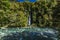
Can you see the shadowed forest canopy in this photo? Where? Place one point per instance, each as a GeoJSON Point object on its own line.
{"type": "Point", "coordinates": [15, 14]}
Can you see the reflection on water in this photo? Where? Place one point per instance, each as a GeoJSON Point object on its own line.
{"type": "Point", "coordinates": [45, 32]}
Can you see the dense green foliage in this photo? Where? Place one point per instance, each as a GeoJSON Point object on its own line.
{"type": "Point", "coordinates": [16, 14]}
{"type": "Point", "coordinates": [56, 15]}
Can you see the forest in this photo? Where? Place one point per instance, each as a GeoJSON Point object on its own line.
{"type": "Point", "coordinates": [43, 13]}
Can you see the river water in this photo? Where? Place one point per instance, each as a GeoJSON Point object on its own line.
{"type": "Point", "coordinates": [47, 31]}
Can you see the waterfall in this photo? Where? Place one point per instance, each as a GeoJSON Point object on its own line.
{"type": "Point", "coordinates": [29, 20]}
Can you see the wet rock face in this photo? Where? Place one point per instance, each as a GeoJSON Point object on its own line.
{"type": "Point", "coordinates": [31, 35]}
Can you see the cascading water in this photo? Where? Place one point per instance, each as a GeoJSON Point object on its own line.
{"type": "Point", "coordinates": [29, 20]}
